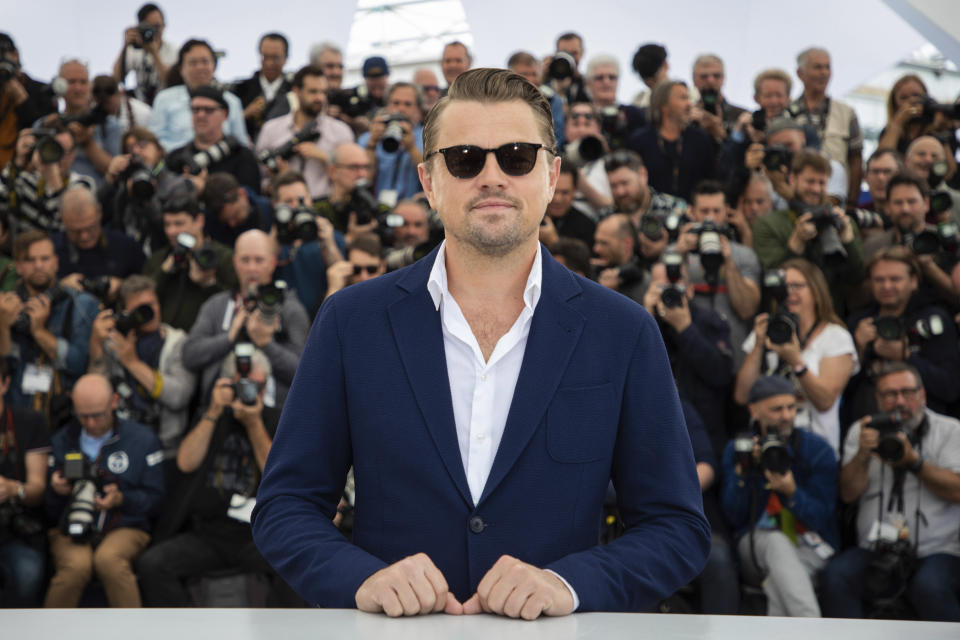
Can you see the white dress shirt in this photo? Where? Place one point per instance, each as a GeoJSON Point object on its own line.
{"type": "Point", "coordinates": [482, 390]}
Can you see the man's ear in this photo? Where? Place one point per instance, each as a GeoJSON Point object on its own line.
{"type": "Point", "coordinates": [426, 181]}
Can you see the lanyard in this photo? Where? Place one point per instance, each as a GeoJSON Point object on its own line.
{"type": "Point", "coordinates": [676, 161]}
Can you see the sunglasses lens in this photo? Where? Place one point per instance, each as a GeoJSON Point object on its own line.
{"type": "Point", "coordinates": [518, 158]}
{"type": "Point", "coordinates": [464, 161]}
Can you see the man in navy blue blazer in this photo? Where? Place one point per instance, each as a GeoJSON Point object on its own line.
{"type": "Point", "coordinates": [485, 397]}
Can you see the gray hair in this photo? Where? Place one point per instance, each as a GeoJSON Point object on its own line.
{"type": "Point", "coordinates": [707, 58]}
{"type": "Point", "coordinates": [322, 47]}
{"type": "Point", "coordinates": [602, 60]}
{"type": "Point", "coordinates": [803, 55]}
{"type": "Point", "coordinates": [756, 176]}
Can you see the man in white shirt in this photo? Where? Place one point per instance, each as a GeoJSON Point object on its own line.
{"type": "Point", "coordinates": [485, 397]}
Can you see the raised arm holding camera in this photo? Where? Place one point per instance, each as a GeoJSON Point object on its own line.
{"type": "Point", "coordinates": [902, 467]}
{"type": "Point", "coordinates": [395, 144]}
{"type": "Point", "coordinates": [146, 53]}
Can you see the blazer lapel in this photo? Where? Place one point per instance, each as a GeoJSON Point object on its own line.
{"type": "Point", "coordinates": [554, 334]}
{"type": "Point", "coordinates": [419, 337]}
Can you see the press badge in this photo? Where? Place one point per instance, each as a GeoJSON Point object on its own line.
{"type": "Point", "coordinates": [37, 379]}
{"type": "Point", "coordinates": [883, 531]}
{"type": "Point", "coordinates": [241, 507]}
{"type": "Point", "coordinates": [818, 544]}
{"type": "Point", "coordinates": [388, 198]}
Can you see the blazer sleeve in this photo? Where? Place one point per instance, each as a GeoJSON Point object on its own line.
{"type": "Point", "coordinates": [667, 537]}
{"type": "Point", "coordinates": [304, 478]}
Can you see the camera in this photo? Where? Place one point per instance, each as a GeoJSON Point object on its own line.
{"type": "Point", "coordinates": [889, 446]}
{"type": "Point", "coordinates": [268, 300]}
{"type": "Point", "coordinates": [245, 389]}
{"type": "Point", "coordinates": [651, 227]}
{"type": "Point", "coordinates": [710, 99]}
{"type": "Point", "coordinates": [8, 70]}
{"type": "Point", "coordinates": [782, 326]}
{"type": "Point", "coordinates": [367, 209]}
{"type": "Point", "coordinates": [205, 257]}
{"type": "Point", "coordinates": [890, 568]}
{"type": "Point", "coordinates": [308, 133]}
{"type": "Point", "coordinates": [931, 107]}
{"type": "Point", "coordinates": [828, 227]}
{"type": "Point", "coordinates": [17, 523]}
{"type": "Point", "coordinates": [897, 327]}
{"type": "Point", "coordinates": [774, 456]}
{"type": "Point", "coordinates": [141, 180]}
{"type": "Point", "coordinates": [211, 155]}
{"type": "Point", "coordinates": [672, 295]}
{"type": "Point", "coordinates": [295, 223]}
{"type": "Point", "coordinates": [672, 223]}
{"type": "Point", "coordinates": [562, 66]}
{"type": "Point", "coordinates": [775, 287]}
{"type": "Point", "coordinates": [80, 515]}
{"type": "Point", "coordinates": [98, 287]}
{"type": "Point", "coordinates": [55, 294]}
{"type": "Point", "coordinates": [393, 134]}
{"type": "Point", "coordinates": [47, 146]}
{"type": "Point", "coordinates": [940, 201]}
{"type": "Point", "coordinates": [352, 103]}
{"type": "Point", "coordinates": [586, 149]}
{"type": "Point", "coordinates": [613, 123]}
{"type": "Point", "coordinates": [127, 321]}
{"type": "Point", "coordinates": [931, 241]}
{"type": "Point", "coordinates": [759, 120]}
{"type": "Point", "coordinates": [147, 32]}
{"type": "Point", "coordinates": [629, 273]}
{"type": "Point", "coordinates": [93, 116]}
{"type": "Point", "coordinates": [776, 156]}
{"type": "Point", "coordinates": [709, 247]}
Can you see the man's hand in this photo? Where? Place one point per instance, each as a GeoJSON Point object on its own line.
{"type": "Point", "coordinates": [118, 164]}
{"type": "Point", "coordinates": [803, 232]}
{"type": "Point", "coordinates": [102, 325]}
{"type": "Point", "coordinates": [73, 281]}
{"type": "Point", "coordinates": [869, 440]}
{"type": "Point", "coordinates": [409, 587]}
{"type": "Point", "coordinates": [353, 228]}
{"type": "Point", "coordinates": [520, 590]}
{"type": "Point", "coordinates": [221, 397]}
{"type": "Point", "coordinates": [199, 181]}
{"type": "Point", "coordinates": [677, 317]}
{"type": "Point", "coordinates": [310, 150]}
{"type": "Point", "coordinates": [60, 485]}
{"type": "Point", "coordinates": [548, 231]}
{"type": "Point", "coordinates": [846, 228]}
{"type": "Point", "coordinates": [753, 158]}
{"type": "Point", "coordinates": [377, 127]}
{"type": "Point", "coordinates": [112, 498]}
{"type": "Point", "coordinates": [201, 277]}
{"type": "Point", "coordinates": [338, 274]}
{"type": "Point", "coordinates": [247, 415]}
{"type": "Point", "coordinates": [83, 135]}
{"type": "Point", "coordinates": [255, 108]}
{"type": "Point", "coordinates": [132, 36]}
{"type": "Point", "coordinates": [10, 308]}
{"type": "Point", "coordinates": [610, 278]}
{"type": "Point", "coordinates": [124, 347]}
{"type": "Point", "coordinates": [687, 241]}
{"type": "Point", "coordinates": [781, 483]}
{"type": "Point", "coordinates": [16, 91]}
{"type": "Point", "coordinates": [38, 308]}
{"type": "Point", "coordinates": [865, 333]}
{"type": "Point", "coordinates": [261, 334]}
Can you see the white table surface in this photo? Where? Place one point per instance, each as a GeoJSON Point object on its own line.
{"type": "Point", "coordinates": [292, 624]}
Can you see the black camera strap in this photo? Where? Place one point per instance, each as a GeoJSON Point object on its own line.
{"type": "Point", "coordinates": [9, 450]}
{"type": "Point", "coordinates": [895, 500]}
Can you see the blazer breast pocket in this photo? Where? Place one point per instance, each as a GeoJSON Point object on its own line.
{"type": "Point", "coordinates": [582, 423]}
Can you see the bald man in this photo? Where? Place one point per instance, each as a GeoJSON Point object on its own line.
{"type": "Point", "coordinates": [88, 250]}
{"type": "Point", "coordinates": [127, 458]}
{"type": "Point", "coordinates": [239, 316]}
{"type": "Point", "coordinates": [922, 158]}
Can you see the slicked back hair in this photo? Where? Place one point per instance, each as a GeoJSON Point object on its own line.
{"type": "Point", "coordinates": [486, 85]}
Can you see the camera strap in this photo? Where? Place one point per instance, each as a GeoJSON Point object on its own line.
{"type": "Point", "coordinates": [675, 146]}
{"type": "Point", "coordinates": [895, 500]}
{"type": "Point", "coordinates": [8, 438]}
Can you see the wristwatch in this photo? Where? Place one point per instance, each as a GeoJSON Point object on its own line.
{"type": "Point", "coordinates": [799, 370]}
{"type": "Point", "coordinates": [21, 492]}
{"type": "Point", "coordinates": [916, 466]}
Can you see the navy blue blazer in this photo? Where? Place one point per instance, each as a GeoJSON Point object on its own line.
{"type": "Point", "coordinates": [595, 400]}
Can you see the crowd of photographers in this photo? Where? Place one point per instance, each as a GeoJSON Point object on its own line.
{"type": "Point", "coordinates": [165, 240]}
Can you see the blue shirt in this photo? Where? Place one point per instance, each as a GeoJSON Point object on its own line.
{"type": "Point", "coordinates": [306, 274]}
{"type": "Point", "coordinates": [172, 121]}
{"type": "Point", "coordinates": [91, 446]}
{"type": "Point", "coordinates": [396, 170]}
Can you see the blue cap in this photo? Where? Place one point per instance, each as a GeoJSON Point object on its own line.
{"type": "Point", "coordinates": [769, 386]}
{"type": "Point", "coordinates": [375, 66]}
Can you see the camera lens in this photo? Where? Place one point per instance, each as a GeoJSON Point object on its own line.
{"type": "Point", "coordinates": [888, 327]}
{"type": "Point", "coordinates": [782, 327]}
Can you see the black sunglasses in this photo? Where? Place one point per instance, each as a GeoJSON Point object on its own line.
{"type": "Point", "coordinates": [467, 160]}
{"type": "Point", "coordinates": [370, 269]}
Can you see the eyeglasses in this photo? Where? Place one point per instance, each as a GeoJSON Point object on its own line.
{"type": "Point", "coordinates": [353, 167]}
{"type": "Point", "coordinates": [909, 393]}
{"type": "Point", "coordinates": [583, 116]}
{"type": "Point", "coordinates": [95, 417]}
{"type": "Point", "coordinates": [606, 76]}
{"type": "Point", "coordinates": [205, 110]}
{"type": "Point", "coordinates": [370, 269]}
{"type": "Point", "coordinates": [467, 161]}
{"type": "Point", "coordinates": [430, 87]}
{"type": "Point", "coordinates": [796, 286]}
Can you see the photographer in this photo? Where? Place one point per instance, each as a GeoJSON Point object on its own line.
{"type": "Point", "coordinates": [618, 268]}
{"type": "Point", "coordinates": [923, 157]}
{"type": "Point", "coordinates": [45, 328]}
{"type": "Point", "coordinates": [523, 64]}
{"type": "Point", "coordinates": [802, 340]}
{"type": "Point", "coordinates": [698, 345]}
{"type": "Point", "coordinates": [34, 180]}
{"type": "Point", "coordinates": [350, 198]}
{"type": "Point", "coordinates": [903, 327]}
{"type": "Point", "coordinates": [232, 208]}
{"type": "Point", "coordinates": [105, 487]}
{"type": "Point", "coordinates": [146, 53]}
{"type": "Point", "coordinates": [267, 89]}
{"type": "Point", "coordinates": [97, 133]}
{"type": "Point", "coordinates": [725, 274]}
{"type": "Point", "coordinates": [812, 229]}
{"type": "Point", "coordinates": [134, 182]}
{"type": "Point", "coordinates": [454, 60]}
{"type": "Point", "coordinates": [183, 283]}
{"type": "Point", "coordinates": [308, 242]}
{"type": "Point", "coordinates": [714, 114]}
{"type": "Point", "coordinates": [565, 78]}
{"type": "Point", "coordinates": [778, 491]}
{"type": "Point", "coordinates": [678, 154]}
{"type": "Point", "coordinates": [566, 217]}
{"type": "Point", "coordinates": [86, 250]}
{"type": "Point", "coordinates": [23, 100]}
{"type": "Point", "coordinates": [619, 121]}
{"type": "Point", "coordinates": [650, 63]}
{"type": "Point", "coordinates": [908, 201]}
{"type": "Point", "coordinates": [395, 144]}
{"type": "Point", "coordinates": [633, 195]}
{"type": "Point", "coordinates": [278, 328]}
{"type": "Point", "coordinates": [904, 476]}
{"type": "Point", "coordinates": [222, 459]}
{"type": "Point", "coordinates": [144, 358]}
{"type": "Point", "coordinates": [23, 479]}
{"type": "Point", "coordinates": [363, 263]}
{"type": "Point", "coordinates": [882, 165]}
{"type": "Point", "coordinates": [170, 119]}
{"type": "Point", "coordinates": [211, 151]}
{"type": "Point", "coordinates": [581, 134]}
{"type": "Point", "coordinates": [310, 157]}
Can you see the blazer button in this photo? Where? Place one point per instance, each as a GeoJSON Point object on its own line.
{"type": "Point", "coordinates": [476, 524]}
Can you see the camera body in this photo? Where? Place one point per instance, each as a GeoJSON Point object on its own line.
{"type": "Point", "coordinates": [79, 521]}
{"type": "Point", "coordinates": [709, 247]}
{"type": "Point", "coordinates": [55, 294]}
{"type": "Point", "coordinates": [309, 133]}
{"type": "Point", "coordinates": [585, 150]}
{"type": "Point", "coordinates": [352, 103]}
{"type": "Point", "coordinates": [268, 300]}
{"type": "Point", "coordinates": [892, 565]}
{"type": "Point", "coordinates": [888, 425]}
{"type": "Point", "coordinates": [776, 156]}
{"type": "Point", "coordinates": [774, 454]}
{"type": "Point", "coordinates": [931, 241]}
{"type": "Point", "coordinates": [295, 223]}
{"type": "Point", "coordinates": [140, 177]}
{"type": "Point", "coordinates": [562, 67]}
{"type": "Point", "coordinates": [147, 32]}
{"type": "Point", "coordinates": [211, 155]}
{"type": "Point", "coordinates": [245, 389]}
{"type": "Point", "coordinates": [931, 107]}
{"type": "Point", "coordinates": [127, 321]}
{"type": "Point", "coordinates": [205, 257]}
{"type": "Point", "coordinates": [46, 145]}
{"type": "Point", "coordinates": [393, 134]}
{"type": "Point", "coordinates": [98, 287]}
{"type": "Point", "coordinates": [898, 327]}
{"type": "Point", "coordinates": [672, 295]}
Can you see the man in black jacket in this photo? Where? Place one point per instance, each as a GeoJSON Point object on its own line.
{"type": "Point", "coordinates": [260, 93]}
